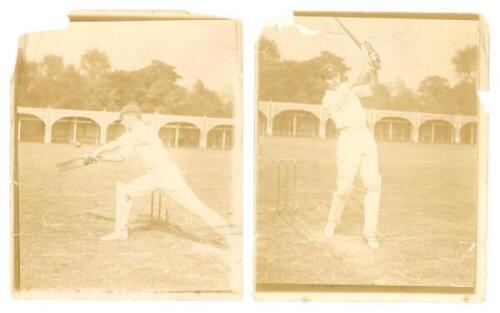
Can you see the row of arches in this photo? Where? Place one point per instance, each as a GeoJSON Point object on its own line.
{"type": "Point", "coordinates": [433, 131]}
{"type": "Point", "coordinates": [296, 123]}
{"type": "Point", "coordinates": [87, 131]}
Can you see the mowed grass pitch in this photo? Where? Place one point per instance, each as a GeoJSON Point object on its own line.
{"type": "Point", "coordinates": [63, 214]}
{"type": "Point", "coordinates": [426, 223]}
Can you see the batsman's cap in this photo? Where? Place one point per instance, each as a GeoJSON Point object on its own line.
{"type": "Point", "coordinates": [328, 70]}
{"type": "Point", "coordinates": [130, 108]}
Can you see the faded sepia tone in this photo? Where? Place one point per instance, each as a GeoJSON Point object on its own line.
{"type": "Point", "coordinates": [127, 158]}
{"type": "Point", "coordinates": [370, 150]}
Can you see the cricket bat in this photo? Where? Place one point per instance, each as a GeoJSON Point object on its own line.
{"type": "Point", "coordinates": [76, 163]}
{"type": "Point", "coordinates": [364, 46]}
{"type": "Point", "coordinates": [351, 35]}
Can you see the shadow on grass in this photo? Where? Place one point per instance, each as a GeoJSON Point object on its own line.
{"type": "Point", "coordinates": [165, 227]}
{"type": "Point", "coordinates": [178, 232]}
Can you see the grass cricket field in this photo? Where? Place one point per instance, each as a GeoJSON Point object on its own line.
{"type": "Point", "coordinates": [63, 214]}
{"type": "Point", "coordinates": [427, 220]}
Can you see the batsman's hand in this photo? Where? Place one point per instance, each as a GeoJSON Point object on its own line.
{"type": "Point", "coordinates": [89, 158]}
{"type": "Point", "coordinates": [371, 56]}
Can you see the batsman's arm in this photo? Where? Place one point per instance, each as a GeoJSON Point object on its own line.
{"type": "Point", "coordinates": [372, 63]}
{"type": "Point", "coordinates": [328, 107]}
{"type": "Point", "coordinates": [373, 80]}
{"type": "Point", "coordinates": [357, 77]}
{"type": "Point", "coordinates": [123, 153]}
{"type": "Point", "coordinates": [367, 81]}
{"type": "Point", "coordinates": [368, 86]}
{"type": "Point", "coordinates": [121, 142]}
{"type": "Point", "coordinates": [112, 157]}
{"type": "Point", "coordinates": [107, 147]}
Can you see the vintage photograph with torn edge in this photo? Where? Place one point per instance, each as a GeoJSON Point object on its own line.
{"type": "Point", "coordinates": [127, 158]}
{"type": "Point", "coordinates": [371, 157]}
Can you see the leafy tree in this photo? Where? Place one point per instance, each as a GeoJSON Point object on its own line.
{"type": "Point", "coordinates": [160, 80]}
{"type": "Point", "coordinates": [94, 64]}
{"type": "Point", "coordinates": [403, 98]}
{"type": "Point", "coordinates": [464, 92]}
{"type": "Point", "coordinates": [152, 85]}
{"type": "Point", "coordinates": [203, 100]}
{"type": "Point", "coordinates": [176, 101]}
{"type": "Point", "coordinates": [52, 67]}
{"type": "Point", "coordinates": [292, 81]}
{"type": "Point", "coordinates": [25, 74]}
{"type": "Point", "coordinates": [122, 89]}
{"type": "Point", "coordinates": [298, 81]}
{"type": "Point", "coordinates": [465, 98]}
{"type": "Point", "coordinates": [94, 86]}
{"type": "Point", "coordinates": [381, 99]}
{"type": "Point", "coordinates": [268, 66]}
{"type": "Point", "coordinates": [44, 85]}
{"type": "Point", "coordinates": [465, 62]}
{"type": "Point", "coordinates": [95, 69]}
{"type": "Point", "coordinates": [435, 95]}
{"type": "Point", "coordinates": [268, 52]}
{"type": "Point", "coordinates": [71, 88]}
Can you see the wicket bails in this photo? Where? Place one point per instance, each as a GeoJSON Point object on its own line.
{"type": "Point", "coordinates": [157, 206]}
{"type": "Point", "coordinates": [286, 202]}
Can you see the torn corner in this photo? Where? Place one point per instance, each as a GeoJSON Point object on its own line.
{"type": "Point", "coordinates": [279, 24]}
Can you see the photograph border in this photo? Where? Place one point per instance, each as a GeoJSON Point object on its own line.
{"type": "Point", "coordinates": [78, 16]}
{"type": "Point", "coordinates": [321, 292]}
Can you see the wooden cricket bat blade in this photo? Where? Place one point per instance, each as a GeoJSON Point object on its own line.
{"type": "Point", "coordinates": [73, 163]}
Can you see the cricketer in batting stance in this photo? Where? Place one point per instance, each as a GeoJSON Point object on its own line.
{"type": "Point", "coordinates": [356, 148]}
{"type": "Point", "coordinates": [161, 173]}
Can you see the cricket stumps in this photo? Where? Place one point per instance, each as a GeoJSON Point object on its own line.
{"type": "Point", "coordinates": [158, 210]}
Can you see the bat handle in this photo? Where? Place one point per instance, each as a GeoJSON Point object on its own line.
{"type": "Point", "coordinates": [87, 160]}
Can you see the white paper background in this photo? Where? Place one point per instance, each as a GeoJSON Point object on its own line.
{"type": "Point", "coordinates": [20, 16]}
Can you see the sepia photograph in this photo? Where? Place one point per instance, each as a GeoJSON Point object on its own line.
{"type": "Point", "coordinates": [369, 155]}
{"type": "Point", "coordinates": [127, 158]}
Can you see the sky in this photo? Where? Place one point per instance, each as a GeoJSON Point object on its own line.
{"type": "Point", "coordinates": [206, 50]}
{"type": "Point", "coordinates": [410, 49]}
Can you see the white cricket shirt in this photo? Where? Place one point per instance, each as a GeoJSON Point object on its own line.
{"type": "Point", "coordinates": [344, 106]}
{"type": "Point", "coordinates": [144, 141]}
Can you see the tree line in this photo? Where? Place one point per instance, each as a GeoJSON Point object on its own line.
{"type": "Point", "coordinates": [284, 80]}
{"type": "Point", "coordinates": [95, 86]}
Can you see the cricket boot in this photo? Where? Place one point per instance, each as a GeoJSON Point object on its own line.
{"type": "Point", "coordinates": [372, 241]}
{"type": "Point", "coordinates": [336, 209]}
{"type": "Point", "coordinates": [330, 229]}
{"type": "Point", "coordinates": [117, 235]}
{"type": "Point", "coordinates": [123, 205]}
{"type": "Point", "coordinates": [371, 209]}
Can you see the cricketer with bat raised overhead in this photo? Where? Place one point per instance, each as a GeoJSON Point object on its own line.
{"type": "Point", "coordinates": [356, 148]}
{"type": "Point", "coordinates": [160, 173]}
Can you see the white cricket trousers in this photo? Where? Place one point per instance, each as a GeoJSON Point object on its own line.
{"type": "Point", "coordinates": [172, 183]}
{"type": "Point", "coordinates": [357, 151]}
